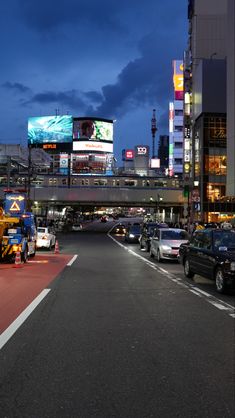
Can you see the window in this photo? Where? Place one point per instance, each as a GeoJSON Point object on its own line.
{"type": "Point", "coordinates": [197, 240]}
{"type": "Point", "coordinates": [178, 112]}
{"type": "Point", "coordinates": [85, 182]}
{"type": "Point", "coordinates": [216, 164]}
{"type": "Point", "coordinates": [130, 182]}
{"type": "Point", "coordinates": [100, 182]}
{"type": "Point", "coordinates": [207, 241]}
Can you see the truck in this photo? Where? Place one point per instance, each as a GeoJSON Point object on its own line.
{"type": "Point", "coordinates": [18, 232]}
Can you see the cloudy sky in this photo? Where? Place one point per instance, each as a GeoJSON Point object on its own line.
{"type": "Point", "coordinates": [104, 58]}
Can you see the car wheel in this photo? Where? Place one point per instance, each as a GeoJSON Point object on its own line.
{"type": "Point", "coordinates": [159, 258]}
{"type": "Point", "coordinates": [50, 246]}
{"type": "Point", "coordinates": [188, 273]}
{"type": "Point", "coordinates": [220, 281]}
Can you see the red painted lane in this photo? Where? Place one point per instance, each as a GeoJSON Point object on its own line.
{"type": "Point", "coordinates": [20, 286]}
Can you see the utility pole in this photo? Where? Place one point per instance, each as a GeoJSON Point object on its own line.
{"type": "Point", "coordinates": [29, 178]}
{"type": "Point", "coordinates": [153, 130]}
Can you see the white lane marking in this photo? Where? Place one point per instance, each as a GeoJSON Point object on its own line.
{"type": "Point", "coordinates": [195, 292]}
{"type": "Point", "coordinates": [72, 260]}
{"type": "Point", "coordinates": [217, 303]}
{"type": "Point", "coordinates": [203, 293]}
{"type": "Point", "coordinates": [7, 334]}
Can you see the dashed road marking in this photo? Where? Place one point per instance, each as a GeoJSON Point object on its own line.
{"type": "Point", "coordinates": [72, 260]}
{"type": "Point", "coordinates": [217, 303]}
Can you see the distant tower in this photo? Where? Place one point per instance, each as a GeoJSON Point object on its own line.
{"type": "Point", "coordinates": [154, 130]}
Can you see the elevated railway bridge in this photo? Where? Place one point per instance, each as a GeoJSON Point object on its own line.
{"type": "Point", "coordinates": [53, 192]}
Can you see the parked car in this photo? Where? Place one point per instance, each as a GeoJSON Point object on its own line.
{"type": "Point", "coordinates": [147, 232]}
{"type": "Point", "coordinates": [46, 237]}
{"type": "Point", "coordinates": [211, 254]}
{"type": "Point", "coordinates": [166, 242]}
{"type": "Point", "coordinates": [133, 233]}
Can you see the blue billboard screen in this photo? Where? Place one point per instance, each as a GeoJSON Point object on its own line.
{"type": "Point", "coordinates": [50, 129]}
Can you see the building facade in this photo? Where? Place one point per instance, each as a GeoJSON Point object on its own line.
{"type": "Point", "coordinates": [207, 137]}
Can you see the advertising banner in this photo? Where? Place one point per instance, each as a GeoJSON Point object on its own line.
{"type": "Point", "coordinates": [50, 130]}
{"type": "Point", "coordinates": [178, 79]}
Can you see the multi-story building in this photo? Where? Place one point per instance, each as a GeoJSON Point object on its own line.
{"type": "Point", "coordinates": [163, 151]}
{"type": "Point", "coordinates": [206, 142]}
{"type": "Point", "coordinates": [176, 122]}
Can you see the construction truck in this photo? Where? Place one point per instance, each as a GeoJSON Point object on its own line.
{"type": "Point", "coordinates": [18, 231]}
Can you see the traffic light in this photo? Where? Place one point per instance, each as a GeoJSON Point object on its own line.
{"type": "Point", "coordinates": [186, 190]}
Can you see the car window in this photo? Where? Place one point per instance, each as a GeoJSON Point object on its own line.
{"type": "Point", "coordinates": [134, 228]}
{"type": "Point", "coordinates": [197, 240]}
{"type": "Point", "coordinates": [224, 239]}
{"type": "Point", "coordinates": [42, 230]}
{"type": "Point", "coordinates": [207, 240]}
{"type": "Point", "coordinates": [174, 235]}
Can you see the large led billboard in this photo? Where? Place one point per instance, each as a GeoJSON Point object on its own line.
{"type": "Point", "coordinates": [92, 135]}
{"type": "Point", "coordinates": [44, 130]}
{"type": "Point", "coordinates": [92, 164]}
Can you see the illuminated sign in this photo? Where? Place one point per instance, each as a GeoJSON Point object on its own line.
{"type": "Point", "coordinates": [49, 146]}
{"type": "Point", "coordinates": [142, 150]}
{"type": "Point", "coordinates": [178, 79]}
{"type": "Point", "coordinates": [155, 163]}
{"type": "Point", "coordinates": [92, 130]}
{"type": "Point", "coordinates": [50, 129]}
{"type": "Point", "coordinates": [92, 146]}
{"type": "Point", "coordinates": [129, 154]}
{"type": "Point", "coordinates": [15, 203]}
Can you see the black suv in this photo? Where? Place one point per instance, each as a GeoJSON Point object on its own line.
{"type": "Point", "coordinates": [147, 232]}
{"type": "Point", "coordinates": [211, 254]}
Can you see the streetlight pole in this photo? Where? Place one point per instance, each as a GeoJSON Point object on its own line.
{"type": "Point", "coordinates": [157, 204]}
{"type": "Point", "coordinates": [29, 178]}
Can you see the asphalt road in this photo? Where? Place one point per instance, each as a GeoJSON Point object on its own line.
{"type": "Point", "coordinates": [116, 336]}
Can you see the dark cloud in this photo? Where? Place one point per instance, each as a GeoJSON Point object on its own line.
{"type": "Point", "coordinates": [94, 96]}
{"type": "Point", "coordinates": [46, 15]}
{"type": "Point", "coordinates": [16, 87]}
{"type": "Point", "coordinates": [70, 99]}
{"type": "Point", "coordinates": [145, 80]}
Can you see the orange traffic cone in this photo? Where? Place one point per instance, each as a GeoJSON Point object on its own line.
{"type": "Point", "coordinates": [57, 250]}
{"type": "Point", "coordinates": [17, 260]}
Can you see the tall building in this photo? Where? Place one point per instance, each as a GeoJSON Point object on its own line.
{"type": "Point", "coordinates": [230, 98]}
{"type": "Point", "coordinates": [207, 137]}
{"type": "Point", "coordinates": [176, 122]}
{"type": "Point", "coordinates": [163, 151]}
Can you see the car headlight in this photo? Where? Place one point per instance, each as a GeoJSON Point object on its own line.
{"type": "Point", "coordinates": [232, 266]}
{"type": "Point", "coordinates": [166, 247]}
{"type": "Point", "coordinates": [131, 236]}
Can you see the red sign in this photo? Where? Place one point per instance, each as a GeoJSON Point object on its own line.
{"type": "Point", "coordinates": [129, 154]}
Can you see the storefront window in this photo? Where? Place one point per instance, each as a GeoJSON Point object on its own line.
{"type": "Point", "coordinates": [215, 192]}
{"type": "Point", "coordinates": [216, 164]}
